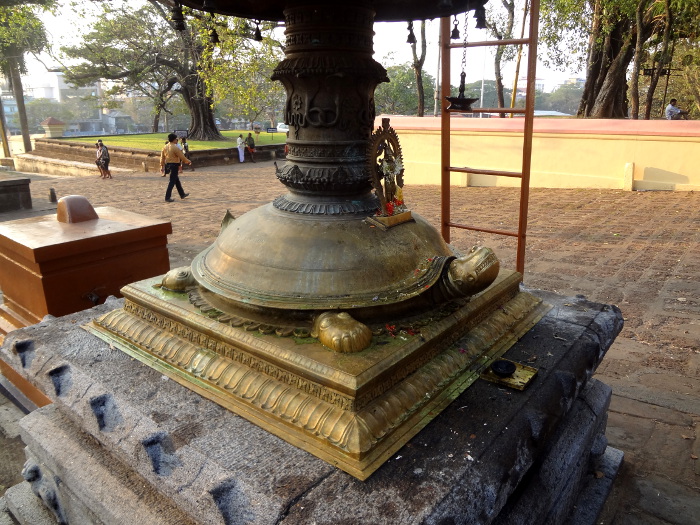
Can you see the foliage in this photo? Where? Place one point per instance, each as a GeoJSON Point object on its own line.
{"type": "Point", "coordinates": [683, 83]}
{"type": "Point", "coordinates": [473, 90]}
{"type": "Point", "coordinates": [39, 110]}
{"type": "Point", "coordinates": [140, 49]}
{"type": "Point", "coordinates": [564, 32]}
{"type": "Point", "coordinates": [21, 32]}
{"type": "Point", "coordinates": [564, 99]}
{"type": "Point", "coordinates": [607, 35]}
{"type": "Point", "coordinates": [237, 68]}
{"type": "Point", "coordinates": [400, 95]}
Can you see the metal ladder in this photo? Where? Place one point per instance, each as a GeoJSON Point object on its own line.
{"type": "Point", "coordinates": [528, 112]}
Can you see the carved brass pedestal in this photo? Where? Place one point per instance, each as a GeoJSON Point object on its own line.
{"type": "Point", "coordinates": [352, 410]}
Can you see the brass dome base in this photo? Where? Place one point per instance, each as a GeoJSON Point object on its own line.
{"type": "Point", "coordinates": [353, 410]}
{"type": "Point", "coordinates": [293, 261]}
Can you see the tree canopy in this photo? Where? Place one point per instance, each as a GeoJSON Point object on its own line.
{"type": "Point", "coordinates": [608, 35]}
{"type": "Point", "coordinates": [237, 68]}
{"type": "Point", "coordinates": [143, 52]}
{"type": "Point", "coordinates": [400, 95]}
{"type": "Point", "coordinates": [21, 32]}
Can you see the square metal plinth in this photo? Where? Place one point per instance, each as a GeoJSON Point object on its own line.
{"type": "Point", "coordinates": [351, 410]}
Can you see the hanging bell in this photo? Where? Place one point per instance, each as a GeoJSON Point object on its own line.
{"type": "Point", "coordinates": [480, 15]}
{"type": "Point", "coordinates": [411, 37]}
{"type": "Point", "coordinates": [455, 31]}
{"type": "Point", "coordinates": [177, 18]}
{"type": "Point", "coordinates": [208, 5]}
{"type": "Point", "coordinates": [214, 36]}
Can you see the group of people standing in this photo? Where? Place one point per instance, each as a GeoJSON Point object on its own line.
{"type": "Point", "coordinates": [102, 160]}
{"type": "Point", "coordinates": [246, 144]}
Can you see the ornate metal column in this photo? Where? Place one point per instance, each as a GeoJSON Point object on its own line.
{"type": "Point", "coordinates": [330, 77]}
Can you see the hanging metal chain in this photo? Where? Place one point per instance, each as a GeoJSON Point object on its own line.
{"type": "Point", "coordinates": [464, 49]}
{"type": "Point", "coordinates": [460, 103]}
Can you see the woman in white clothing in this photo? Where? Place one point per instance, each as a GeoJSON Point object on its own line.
{"type": "Point", "coordinates": [241, 148]}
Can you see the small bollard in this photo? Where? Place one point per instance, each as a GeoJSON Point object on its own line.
{"type": "Point", "coordinates": [52, 195]}
{"type": "Point", "coordinates": [144, 166]}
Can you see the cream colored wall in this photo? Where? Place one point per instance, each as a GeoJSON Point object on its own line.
{"type": "Point", "coordinates": [569, 153]}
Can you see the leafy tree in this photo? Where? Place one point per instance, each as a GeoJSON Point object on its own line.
{"type": "Point", "coordinates": [21, 32]}
{"type": "Point", "coordinates": [417, 64]}
{"type": "Point", "coordinates": [683, 82]}
{"type": "Point", "coordinates": [500, 25]}
{"type": "Point", "coordinates": [400, 95]}
{"type": "Point", "coordinates": [146, 54]}
{"type": "Point", "coordinates": [607, 35]}
{"type": "Point", "coordinates": [473, 90]}
{"type": "Point", "coordinates": [564, 99]}
{"type": "Point", "coordinates": [677, 24]}
{"type": "Point", "coordinates": [39, 110]}
{"type": "Point", "coordinates": [237, 68]}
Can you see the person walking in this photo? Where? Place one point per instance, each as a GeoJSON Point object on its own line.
{"type": "Point", "coordinates": [673, 112]}
{"type": "Point", "coordinates": [103, 159]}
{"type": "Point", "coordinates": [98, 159]}
{"type": "Point", "coordinates": [186, 149]}
{"type": "Point", "coordinates": [170, 158]}
{"type": "Point", "coordinates": [241, 148]}
{"type": "Point", "coordinates": [250, 146]}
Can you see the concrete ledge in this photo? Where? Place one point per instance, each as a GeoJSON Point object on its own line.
{"type": "Point", "coordinates": [138, 159]}
{"type": "Point", "coordinates": [30, 163]}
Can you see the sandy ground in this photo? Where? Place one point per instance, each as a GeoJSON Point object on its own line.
{"type": "Point", "coordinates": [638, 250]}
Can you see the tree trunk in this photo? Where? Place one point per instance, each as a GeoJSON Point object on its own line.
{"type": "Point", "coordinates": [605, 91]}
{"type": "Point", "coordinates": [18, 91]}
{"type": "Point", "coordinates": [3, 129]}
{"type": "Point", "coordinates": [507, 33]}
{"type": "Point", "coordinates": [499, 79]}
{"type": "Point", "coordinates": [418, 69]}
{"type": "Point", "coordinates": [156, 120]}
{"type": "Point", "coordinates": [594, 63]}
{"type": "Point", "coordinates": [634, 77]}
{"type": "Point", "coordinates": [202, 124]}
{"type": "Point", "coordinates": [661, 60]}
{"type": "Point", "coordinates": [610, 101]}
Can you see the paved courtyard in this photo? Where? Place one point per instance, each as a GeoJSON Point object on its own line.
{"type": "Point", "coordinates": [638, 250]}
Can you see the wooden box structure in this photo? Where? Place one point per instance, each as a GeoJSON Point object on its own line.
{"type": "Point", "coordinates": [53, 267]}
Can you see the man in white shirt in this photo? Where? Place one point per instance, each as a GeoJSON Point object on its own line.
{"type": "Point", "coordinates": [673, 112]}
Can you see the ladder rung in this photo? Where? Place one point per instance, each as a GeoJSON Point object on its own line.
{"type": "Point", "coordinates": [497, 173]}
{"type": "Point", "coordinates": [485, 230]}
{"type": "Point", "coordinates": [504, 42]}
{"type": "Point", "coordinates": [518, 111]}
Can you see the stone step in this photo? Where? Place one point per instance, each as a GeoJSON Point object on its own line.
{"type": "Point", "coordinates": [25, 507]}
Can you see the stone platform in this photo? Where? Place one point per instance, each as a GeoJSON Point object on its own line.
{"type": "Point", "coordinates": [15, 194]}
{"type": "Point", "coordinates": [123, 443]}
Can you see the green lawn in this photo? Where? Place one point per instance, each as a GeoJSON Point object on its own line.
{"type": "Point", "coordinates": [156, 141]}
